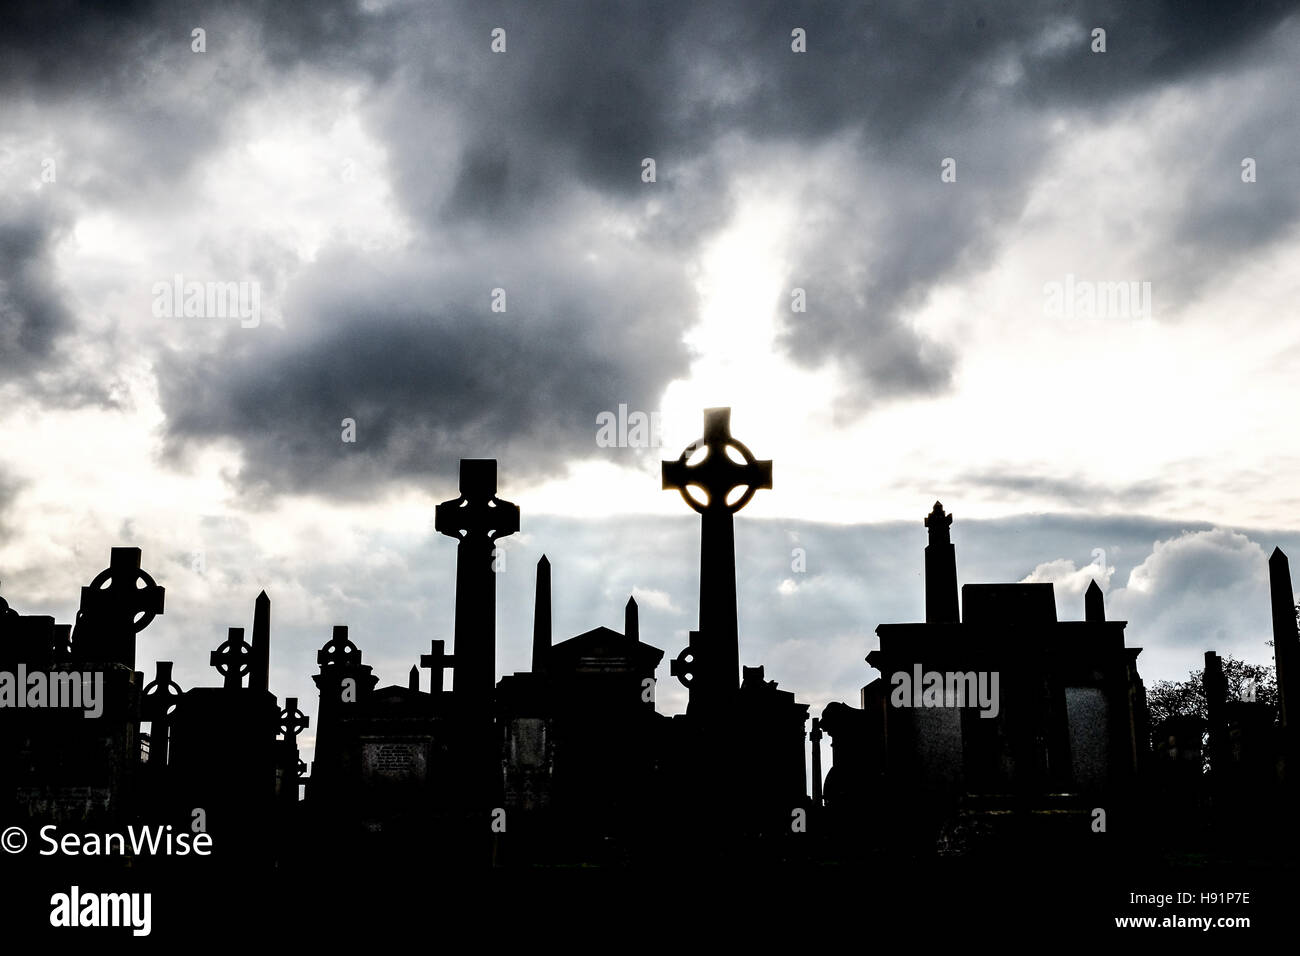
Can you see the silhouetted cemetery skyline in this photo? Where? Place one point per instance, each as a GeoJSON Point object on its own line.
{"type": "Point", "coordinates": [991, 728]}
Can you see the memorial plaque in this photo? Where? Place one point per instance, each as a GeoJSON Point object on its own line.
{"type": "Point", "coordinates": [388, 759]}
{"type": "Point", "coordinates": [1089, 716]}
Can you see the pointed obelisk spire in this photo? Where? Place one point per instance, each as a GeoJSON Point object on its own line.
{"type": "Point", "coordinates": [259, 666]}
{"type": "Point", "coordinates": [1286, 643]}
{"type": "Point", "coordinates": [413, 679]}
{"type": "Point", "coordinates": [1094, 605]}
{"type": "Point", "coordinates": [542, 615]}
{"type": "Point", "coordinates": [632, 620]}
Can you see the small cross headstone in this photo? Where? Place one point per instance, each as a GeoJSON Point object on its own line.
{"type": "Point", "coordinates": [161, 695]}
{"type": "Point", "coordinates": [339, 651]}
{"type": "Point", "coordinates": [292, 720]}
{"type": "Point", "coordinates": [233, 658]}
{"type": "Point", "coordinates": [437, 661]}
{"type": "Point", "coordinates": [110, 606]}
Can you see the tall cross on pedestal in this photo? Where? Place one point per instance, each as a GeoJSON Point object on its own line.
{"type": "Point", "coordinates": [437, 662]}
{"type": "Point", "coordinates": [477, 519]}
{"type": "Point", "coordinates": [106, 623]}
{"type": "Point", "coordinates": [710, 666]}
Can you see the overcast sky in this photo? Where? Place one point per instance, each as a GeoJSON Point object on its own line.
{"type": "Point", "coordinates": [376, 170]}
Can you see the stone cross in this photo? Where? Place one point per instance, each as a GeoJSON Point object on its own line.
{"type": "Point", "coordinates": [343, 682]}
{"type": "Point", "coordinates": [338, 651]}
{"type": "Point", "coordinates": [106, 622]}
{"type": "Point", "coordinates": [161, 695]}
{"type": "Point", "coordinates": [157, 702]}
{"type": "Point", "coordinates": [233, 659]}
{"type": "Point", "coordinates": [292, 720]}
{"type": "Point", "coordinates": [437, 661]}
{"type": "Point", "coordinates": [477, 519]}
{"type": "Point", "coordinates": [715, 656]}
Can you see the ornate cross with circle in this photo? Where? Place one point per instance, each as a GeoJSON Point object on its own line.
{"type": "Point", "coordinates": [339, 651]}
{"type": "Point", "coordinates": [233, 658]}
{"type": "Point", "coordinates": [709, 666]}
{"type": "Point", "coordinates": [110, 605]}
{"type": "Point", "coordinates": [292, 720]}
{"type": "Point", "coordinates": [476, 519]}
{"type": "Point", "coordinates": [161, 695]}
{"type": "Point", "coordinates": [478, 510]}
{"type": "Point", "coordinates": [718, 474]}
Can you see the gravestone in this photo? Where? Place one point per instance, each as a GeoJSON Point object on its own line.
{"type": "Point", "coordinates": [63, 765]}
{"type": "Point", "coordinates": [709, 668]}
{"type": "Point", "coordinates": [477, 519]}
{"type": "Point", "coordinates": [114, 608]}
{"type": "Point", "coordinates": [225, 758]}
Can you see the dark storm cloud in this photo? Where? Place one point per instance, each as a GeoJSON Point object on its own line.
{"type": "Point", "coordinates": [32, 312]}
{"type": "Point", "coordinates": [1231, 223]}
{"type": "Point", "coordinates": [587, 91]}
{"type": "Point", "coordinates": [415, 355]}
{"type": "Point", "coordinates": [156, 106]}
{"type": "Point", "coordinates": [50, 48]}
{"type": "Point", "coordinates": [35, 317]}
{"type": "Point", "coordinates": [485, 148]}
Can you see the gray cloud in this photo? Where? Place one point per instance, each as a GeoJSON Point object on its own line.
{"type": "Point", "coordinates": [36, 321]}
{"type": "Point", "coordinates": [430, 374]}
{"type": "Point", "coordinates": [10, 486]}
{"type": "Point", "coordinates": [490, 153]}
{"type": "Point", "coordinates": [586, 95]}
{"type": "Point", "coordinates": [33, 314]}
{"type": "Point", "coordinates": [1072, 492]}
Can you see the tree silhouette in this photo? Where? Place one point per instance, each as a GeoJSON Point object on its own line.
{"type": "Point", "coordinates": [1186, 698]}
